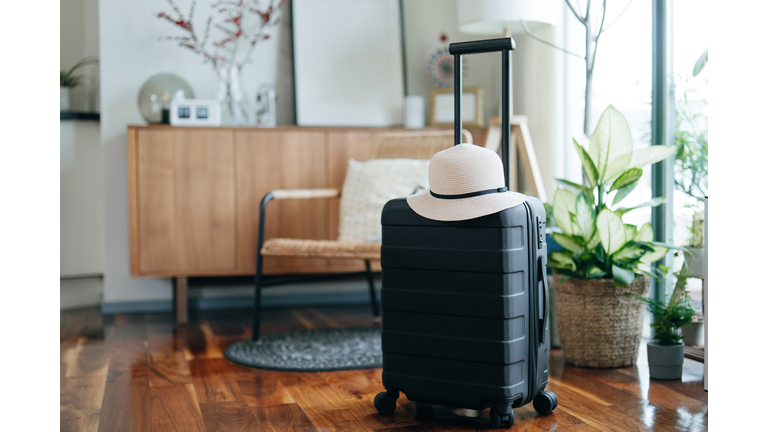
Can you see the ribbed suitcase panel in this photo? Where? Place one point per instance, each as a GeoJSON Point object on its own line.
{"type": "Point", "coordinates": [471, 350]}
{"type": "Point", "coordinates": [457, 260]}
{"type": "Point", "coordinates": [441, 282]}
{"type": "Point", "coordinates": [484, 306]}
{"type": "Point", "coordinates": [455, 370]}
{"type": "Point", "coordinates": [493, 238]}
{"type": "Point", "coordinates": [482, 329]}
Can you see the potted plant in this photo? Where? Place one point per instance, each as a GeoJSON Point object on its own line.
{"type": "Point", "coordinates": [693, 335]}
{"type": "Point", "coordinates": [666, 352]}
{"type": "Point", "coordinates": [68, 80]}
{"type": "Point", "coordinates": [605, 263]}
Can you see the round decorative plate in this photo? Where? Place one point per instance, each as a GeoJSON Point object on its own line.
{"type": "Point", "coordinates": [440, 68]}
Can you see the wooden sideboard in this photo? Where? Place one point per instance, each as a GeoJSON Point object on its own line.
{"type": "Point", "coordinates": [194, 195]}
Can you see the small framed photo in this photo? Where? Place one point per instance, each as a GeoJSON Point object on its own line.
{"type": "Point", "coordinates": [441, 106]}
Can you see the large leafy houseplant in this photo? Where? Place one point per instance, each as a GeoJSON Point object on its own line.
{"type": "Point", "coordinates": [597, 243]}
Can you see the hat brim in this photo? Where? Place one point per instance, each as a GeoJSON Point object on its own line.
{"type": "Point", "coordinates": [424, 204]}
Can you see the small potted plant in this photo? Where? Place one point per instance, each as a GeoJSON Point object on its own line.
{"type": "Point", "coordinates": [605, 263]}
{"type": "Point", "coordinates": [693, 335]}
{"type": "Point", "coordinates": [68, 80]}
{"type": "Point", "coordinates": [666, 352]}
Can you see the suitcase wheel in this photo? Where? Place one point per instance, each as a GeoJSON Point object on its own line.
{"type": "Point", "coordinates": [545, 402]}
{"type": "Point", "coordinates": [385, 404]}
{"type": "Point", "coordinates": [497, 419]}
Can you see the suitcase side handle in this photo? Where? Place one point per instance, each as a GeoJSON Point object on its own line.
{"type": "Point", "coordinates": [505, 45]}
{"type": "Point", "coordinates": [545, 297]}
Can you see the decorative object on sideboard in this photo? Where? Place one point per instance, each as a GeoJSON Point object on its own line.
{"type": "Point", "coordinates": [605, 261]}
{"type": "Point", "coordinates": [240, 26]}
{"type": "Point", "coordinates": [194, 112]}
{"type": "Point", "coordinates": [68, 80]}
{"type": "Point", "coordinates": [266, 108]}
{"type": "Point", "coordinates": [441, 102]}
{"type": "Point", "coordinates": [351, 76]}
{"type": "Point", "coordinates": [155, 97]}
{"type": "Point", "coordinates": [413, 112]}
{"type": "Point", "coordinates": [440, 65]}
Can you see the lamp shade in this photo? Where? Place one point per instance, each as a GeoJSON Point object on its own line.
{"type": "Point", "coordinates": [492, 17]}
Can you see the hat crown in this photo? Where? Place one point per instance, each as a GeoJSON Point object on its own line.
{"type": "Point", "coordinates": [465, 168]}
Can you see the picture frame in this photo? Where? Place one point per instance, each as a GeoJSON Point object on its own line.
{"type": "Point", "coordinates": [441, 106]}
{"type": "Point", "coordinates": [348, 63]}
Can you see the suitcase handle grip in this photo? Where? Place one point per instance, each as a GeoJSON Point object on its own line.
{"type": "Point", "coordinates": [543, 319]}
{"type": "Point", "coordinates": [505, 45]}
{"type": "Point", "coordinates": [482, 46]}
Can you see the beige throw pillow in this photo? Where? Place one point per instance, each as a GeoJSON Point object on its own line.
{"type": "Point", "coordinates": [367, 187]}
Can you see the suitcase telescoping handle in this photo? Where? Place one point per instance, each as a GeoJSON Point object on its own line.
{"type": "Point", "coordinates": [505, 45]}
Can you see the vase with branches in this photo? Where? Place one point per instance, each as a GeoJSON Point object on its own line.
{"type": "Point", "coordinates": [239, 26]}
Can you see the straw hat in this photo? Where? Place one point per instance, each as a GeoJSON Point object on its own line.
{"type": "Point", "coordinates": [465, 182]}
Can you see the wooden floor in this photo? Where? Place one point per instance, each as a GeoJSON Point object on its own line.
{"type": "Point", "coordinates": [141, 373]}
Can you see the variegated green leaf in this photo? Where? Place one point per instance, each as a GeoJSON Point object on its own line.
{"type": "Point", "coordinates": [623, 192]}
{"type": "Point", "coordinates": [561, 260]}
{"type": "Point", "coordinates": [650, 155]}
{"type": "Point", "coordinates": [585, 217]}
{"type": "Point", "coordinates": [610, 146]}
{"type": "Point", "coordinates": [626, 178]}
{"type": "Point", "coordinates": [576, 188]}
{"type": "Point", "coordinates": [657, 254]}
{"type": "Point", "coordinates": [652, 203]}
{"type": "Point", "coordinates": [563, 206]}
{"type": "Point", "coordinates": [587, 164]}
{"type": "Point", "coordinates": [629, 253]}
{"type": "Point", "coordinates": [611, 231]}
{"type": "Point", "coordinates": [592, 244]}
{"type": "Point", "coordinates": [645, 234]}
{"type": "Point", "coordinates": [594, 272]}
{"type": "Point", "coordinates": [567, 242]}
{"type": "Point", "coordinates": [622, 277]}
{"type": "Point", "coordinates": [630, 231]}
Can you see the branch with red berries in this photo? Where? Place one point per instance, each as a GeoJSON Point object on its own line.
{"type": "Point", "coordinates": [241, 22]}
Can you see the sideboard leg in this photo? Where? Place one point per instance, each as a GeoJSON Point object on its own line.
{"type": "Point", "coordinates": [180, 299]}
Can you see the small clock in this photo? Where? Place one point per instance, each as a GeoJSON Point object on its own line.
{"type": "Point", "coordinates": [195, 112]}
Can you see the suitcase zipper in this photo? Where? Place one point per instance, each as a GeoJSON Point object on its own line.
{"type": "Point", "coordinates": [533, 345]}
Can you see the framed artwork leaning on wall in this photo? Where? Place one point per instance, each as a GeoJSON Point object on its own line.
{"type": "Point", "coordinates": [441, 106]}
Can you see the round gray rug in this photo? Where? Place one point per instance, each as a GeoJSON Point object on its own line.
{"type": "Point", "coordinates": [314, 350]}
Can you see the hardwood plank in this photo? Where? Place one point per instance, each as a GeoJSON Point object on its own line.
{"type": "Point", "coordinates": [82, 393]}
{"type": "Point", "coordinates": [260, 387]}
{"type": "Point", "coordinates": [169, 371]}
{"type": "Point", "coordinates": [79, 421]}
{"type": "Point", "coordinates": [228, 417]}
{"type": "Point", "coordinates": [331, 409]}
{"type": "Point", "coordinates": [279, 418]}
{"type": "Point", "coordinates": [213, 381]}
{"type": "Point", "coordinates": [86, 360]}
{"type": "Point", "coordinates": [175, 408]}
{"type": "Point", "coordinates": [126, 406]}
{"type": "Point", "coordinates": [200, 343]}
{"type": "Point", "coordinates": [352, 383]}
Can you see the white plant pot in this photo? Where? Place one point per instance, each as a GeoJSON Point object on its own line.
{"type": "Point", "coordinates": [694, 335]}
{"type": "Point", "coordinates": [695, 262]}
{"type": "Point", "coordinates": [64, 98]}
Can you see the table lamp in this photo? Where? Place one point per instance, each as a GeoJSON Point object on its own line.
{"type": "Point", "coordinates": [502, 18]}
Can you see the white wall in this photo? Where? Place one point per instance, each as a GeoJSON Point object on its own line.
{"type": "Point", "coordinates": [81, 192]}
{"type": "Point", "coordinates": [131, 53]}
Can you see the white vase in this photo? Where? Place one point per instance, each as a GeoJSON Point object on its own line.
{"type": "Point", "coordinates": [234, 110]}
{"type": "Point", "coordinates": [64, 98]}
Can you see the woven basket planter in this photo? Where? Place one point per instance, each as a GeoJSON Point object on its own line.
{"type": "Point", "coordinates": [600, 325]}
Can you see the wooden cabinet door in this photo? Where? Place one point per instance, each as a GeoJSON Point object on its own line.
{"type": "Point", "coordinates": [185, 187]}
{"type": "Point", "coordinates": [269, 160]}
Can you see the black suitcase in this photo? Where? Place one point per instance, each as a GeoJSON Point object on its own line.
{"type": "Point", "coordinates": [464, 304]}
